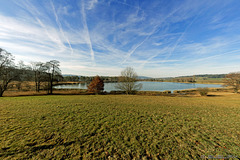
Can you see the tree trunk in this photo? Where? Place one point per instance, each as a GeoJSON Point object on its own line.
{"type": "Point", "coordinates": [51, 87]}
{"type": "Point", "coordinates": [36, 85]}
{"type": "Point", "coordinates": [48, 88]}
{"type": "Point", "coordinates": [51, 80]}
{"type": "Point", "coordinates": [1, 92]}
{"type": "Point", "coordinates": [49, 83]}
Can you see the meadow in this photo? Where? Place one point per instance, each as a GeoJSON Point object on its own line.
{"type": "Point", "coordinates": [119, 127]}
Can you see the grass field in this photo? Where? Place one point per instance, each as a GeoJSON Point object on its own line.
{"type": "Point", "coordinates": [119, 127]}
{"type": "Point", "coordinates": [210, 80]}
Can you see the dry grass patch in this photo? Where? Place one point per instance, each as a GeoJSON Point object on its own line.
{"type": "Point", "coordinates": [119, 127]}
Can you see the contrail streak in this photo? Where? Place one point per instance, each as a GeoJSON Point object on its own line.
{"type": "Point", "coordinates": [126, 4]}
{"type": "Point", "coordinates": [87, 30]}
{"type": "Point", "coordinates": [60, 27]}
{"type": "Point", "coordinates": [214, 56]}
{"type": "Point", "coordinates": [134, 49]}
{"type": "Point", "coordinates": [181, 36]}
{"type": "Point", "coordinates": [35, 13]}
{"type": "Point", "coordinates": [156, 28]}
{"type": "Point", "coordinates": [179, 39]}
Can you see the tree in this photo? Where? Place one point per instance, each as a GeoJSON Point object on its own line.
{"type": "Point", "coordinates": [54, 74]}
{"type": "Point", "coordinates": [7, 70]}
{"type": "Point", "coordinates": [233, 80]}
{"type": "Point", "coordinates": [39, 70]}
{"type": "Point", "coordinates": [24, 72]}
{"type": "Point", "coordinates": [96, 86]}
{"type": "Point", "coordinates": [127, 81]}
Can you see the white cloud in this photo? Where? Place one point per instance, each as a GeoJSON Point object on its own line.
{"type": "Point", "coordinates": [91, 4]}
{"type": "Point", "coordinates": [92, 43]}
{"type": "Point", "coordinates": [157, 44]}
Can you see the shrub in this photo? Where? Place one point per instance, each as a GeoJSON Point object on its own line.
{"type": "Point", "coordinates": [167, 92]}
{"type": "Point", "coordinates": [203, 91]}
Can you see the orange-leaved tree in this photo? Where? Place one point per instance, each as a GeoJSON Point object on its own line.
{"type": "Point", "coordinates": [96, 86]}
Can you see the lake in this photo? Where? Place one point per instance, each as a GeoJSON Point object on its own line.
{"type": "Point", "coordinates": [146, 86]}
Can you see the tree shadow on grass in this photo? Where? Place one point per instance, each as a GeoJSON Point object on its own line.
{"type": "Point", "coordinates": [214, 95]}
{"type": "Point", "coordinates": [6, 152]}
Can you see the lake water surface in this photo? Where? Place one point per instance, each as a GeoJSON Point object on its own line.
{"type": "Point", "coordinates": [146, 86]}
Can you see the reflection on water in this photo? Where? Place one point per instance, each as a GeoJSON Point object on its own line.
{"type": "Point", "coordinates": [83, 85]}
{"type": "Point", "coordinates": [147, 86]}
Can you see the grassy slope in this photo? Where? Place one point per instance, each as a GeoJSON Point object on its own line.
{"type": "Point", "coordinates": [73, 127]}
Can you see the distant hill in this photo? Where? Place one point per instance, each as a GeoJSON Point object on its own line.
{"type": "Point", "coordinates": [207, 76]}
{"type": "Point", "coordinates": [67, 75]}
{"type": "Point", "coordinates": [144, 77]}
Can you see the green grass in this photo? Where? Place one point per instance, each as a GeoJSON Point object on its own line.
{"type": "Point", "coordinates": [119, 127]}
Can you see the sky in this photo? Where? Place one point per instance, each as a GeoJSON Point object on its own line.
{"type": "Point", "coordinates": [158, 38]}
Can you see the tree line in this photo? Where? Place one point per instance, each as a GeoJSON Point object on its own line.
{"type": "Point", "coordinates": [74, 78]}
{"type": "Point", "coordinates": [39, 72]}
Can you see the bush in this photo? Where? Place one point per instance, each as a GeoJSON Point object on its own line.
{"type": "Point", "coordinates": [167, 92]}
{"type": "Point", "coordinates": [203, 91]}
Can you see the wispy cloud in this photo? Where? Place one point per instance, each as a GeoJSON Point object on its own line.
{"type": "Point", "coordinates": [38, 18]}
{"type": "Point", "coordinates": [85, 25]}
{"type": "Point", "coordinates": [134, 49]}
{"type": "Point", "coordinates": [155, 29]}
{"type": "Point", "coordinates": [127, 4]}
{"type": "Point", "coordinates": [60, 27]}
{"type": "Point", "coordinates": [91, 4]}
{"type": "Point", "coordinates": [96, 36]}
{"type": "Point", "coordinates": [180, 38]}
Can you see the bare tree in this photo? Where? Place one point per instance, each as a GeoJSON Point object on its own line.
{"type": "Point", "coordinates": [233, 80]}
{"type": "Point", "coordinates": [127, 81]}
{"type": "Point", "coordinates": [7, 70]}
{"type": "Point", "coordinates": [24, 72]}
{"type": "Point", "coordinates": [54, 74]}
{"type": "Point", "coordinates": [39, 70]}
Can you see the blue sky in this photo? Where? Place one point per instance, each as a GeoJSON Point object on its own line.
{"type": "Point", "coordinates": [158, 38]}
